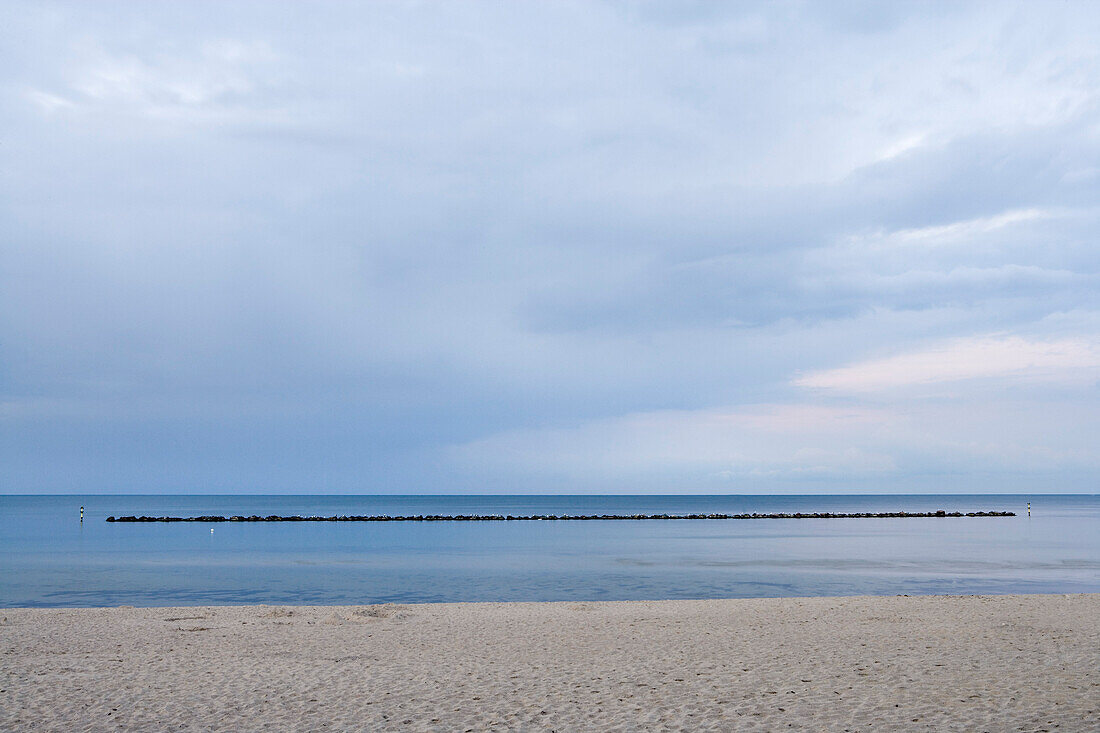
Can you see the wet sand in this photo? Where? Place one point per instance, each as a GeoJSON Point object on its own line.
{"type": "Point", "coordinates": [966, 663]}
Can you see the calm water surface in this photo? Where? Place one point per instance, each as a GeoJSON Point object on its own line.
{"type": "Point", "coordinates": [47, 558]}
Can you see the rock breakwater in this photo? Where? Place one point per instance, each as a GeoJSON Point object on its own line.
{"type": "Point", "coordinates": [558, 517]}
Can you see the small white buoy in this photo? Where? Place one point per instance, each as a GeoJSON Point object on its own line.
{"type": "Point", "coordinates": [211, 530]}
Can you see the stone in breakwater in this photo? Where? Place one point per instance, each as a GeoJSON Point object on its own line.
{"type": "Point", "coordinates": [558, 517]}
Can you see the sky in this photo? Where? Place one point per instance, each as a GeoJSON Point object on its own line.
{"type": "Point", "coordinates": [549, 247]}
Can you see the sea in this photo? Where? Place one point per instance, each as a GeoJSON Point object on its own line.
{"type": "Point", "coordinates": [49, 558]}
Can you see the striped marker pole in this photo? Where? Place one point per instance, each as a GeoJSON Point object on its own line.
{"type": "Point", "coordinates": [82, 515]}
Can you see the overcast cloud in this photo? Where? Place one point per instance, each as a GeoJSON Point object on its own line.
{"type": "Point", "coordinates": [549, 247]}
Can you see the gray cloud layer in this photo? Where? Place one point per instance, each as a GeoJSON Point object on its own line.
{"type": "Point", "coordinates": [465, 246]}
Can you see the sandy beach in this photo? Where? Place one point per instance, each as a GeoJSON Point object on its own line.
{"type": "Point", "coordinates": [973, 663]}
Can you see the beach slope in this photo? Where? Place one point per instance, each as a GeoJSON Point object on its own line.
{"type": "Point", "coordinates": [973, 663]}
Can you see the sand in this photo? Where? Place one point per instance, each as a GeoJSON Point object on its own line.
{"type": "Point", "coordinates": [968, 663]}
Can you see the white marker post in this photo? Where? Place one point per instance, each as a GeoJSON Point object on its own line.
{"type": "Point", "coordinates": [82, 515]}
